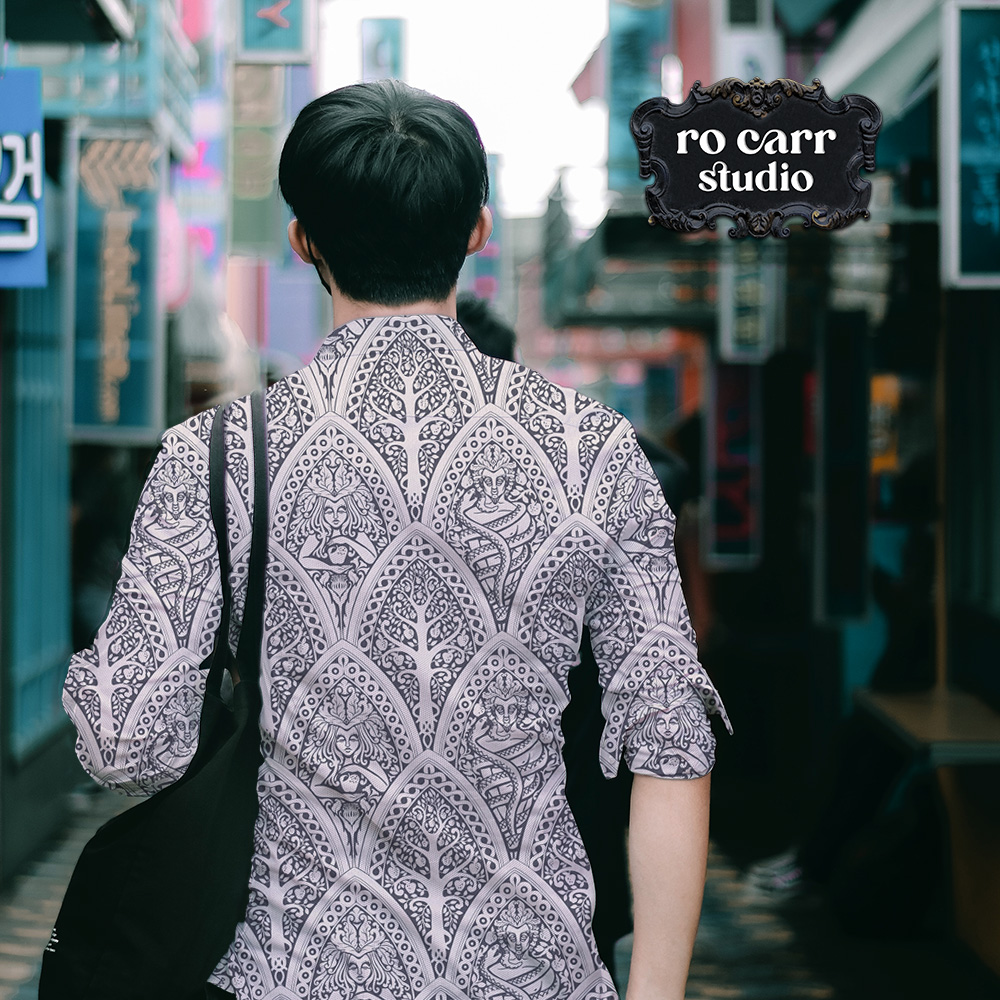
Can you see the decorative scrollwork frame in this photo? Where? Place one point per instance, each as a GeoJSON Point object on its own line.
{"type": "Point", "coordinates": [759, 100]}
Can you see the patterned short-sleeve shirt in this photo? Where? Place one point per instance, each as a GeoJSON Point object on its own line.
{"type": "Point", "coordinates": [442, 526]}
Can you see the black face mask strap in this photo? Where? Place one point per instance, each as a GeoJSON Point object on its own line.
{"type": "Point", "coordinates": [315, 262]}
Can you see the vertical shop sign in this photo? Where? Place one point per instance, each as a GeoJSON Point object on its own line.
{"type": "Point", "coordinates": [117, 362]}
{"type": "Point", "coordinates": [381, 48]}
{"type": "Point", "coordinates": [258, 220]}
{"type": "Point", "coordinates": [842, 468]}
{"type": "Point", "coordinates": [886, 393]}
{"type": "Point", "coordinates": [970, 145]}
{"type": "Point", "coordinates": [277, 32]}
{"type": "Point", "coordinates": [22, 180]}
{"type": "Point", "coordinates": [733, 468]}
{"type": "Point", "coordinates": [751, 296]}
{"type": "Point", "coordinates": [638, 39]}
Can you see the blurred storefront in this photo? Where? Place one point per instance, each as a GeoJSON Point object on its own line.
{"type": "Point", "coordinates": [831, 394]}
{"type": "Point", "coordinates": [119, 331]}
{"type": "Point", "coordinates": [83, 350]}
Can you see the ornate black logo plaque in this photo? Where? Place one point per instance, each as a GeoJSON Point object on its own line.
{"type": "Point", "coordinates": [757, 153]}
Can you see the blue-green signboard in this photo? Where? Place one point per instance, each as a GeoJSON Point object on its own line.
{"type": "Point", "coordinates": [381, 48]}
{"type": "Point", "coordinates": [275, 31]}
{"type": "Point", "coordinates": [117, 356]}
{"type": "Point", "coordinates": [22, 180]}
{"type": "Point", "coordinates": [970, 145]}
{"type": "Point", "coordinates": [638, 39]}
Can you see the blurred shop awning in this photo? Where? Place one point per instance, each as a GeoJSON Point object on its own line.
{"type": "Point", "coordinates": [798, 16]}
{"type": "Point", "coordinates": [888, 52]}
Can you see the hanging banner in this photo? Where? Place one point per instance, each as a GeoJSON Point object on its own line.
{"type": "Point", "coordinates": [732, 529]}
{"type": "Point", "coordinates": [277, 33]}
{"type": "Point", "coordinates": [638, 39]}
{"type": "Point", "coordinates": [22, 180]}
{"type": "Point", "coordinates": [751, 297]}
{"type": "Point", "coordinates": [841, 523]}
{"type": "Point", "coordinates": [117, 359]}
{"type": "Point", "coordinates": [381, 48]}
{"type": "Point", "coordinates": [257, 212]}
{"type": "Point", "coordinates": [970, 145]}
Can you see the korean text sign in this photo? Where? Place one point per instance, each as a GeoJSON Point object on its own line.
{"type": "Point", "coordinates": [118, 346]}
{"type": "Point", "coordinates": [22, 180]}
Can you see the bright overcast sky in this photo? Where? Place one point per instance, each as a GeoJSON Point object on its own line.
{"type": "Point", "coordinates": [510, 66]}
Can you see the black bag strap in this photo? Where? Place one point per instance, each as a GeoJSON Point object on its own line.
{"type": "Point", "coordinates": [252, 627]}
{"type": "Point", "coordinates": [217, 502]}
{"type": "Point", "coordinates": [252, 630]}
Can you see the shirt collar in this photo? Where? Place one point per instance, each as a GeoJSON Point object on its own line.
{"type": "Point", "coordinates": [441, 332]}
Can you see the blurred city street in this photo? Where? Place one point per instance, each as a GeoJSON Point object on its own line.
{"type": "Point", "coordinates": [815, 387]}
{"type": "Point", "coordinates": [750, 944]}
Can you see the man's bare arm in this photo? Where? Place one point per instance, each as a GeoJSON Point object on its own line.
{"type": "Point", "coordinates": [668, 851]}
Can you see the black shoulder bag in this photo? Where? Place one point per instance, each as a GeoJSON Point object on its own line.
{"type": "Point", "coordinates": [155, 898]}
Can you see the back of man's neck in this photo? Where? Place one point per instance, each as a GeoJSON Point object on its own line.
{"type": "Point", "coordinates": [345, 310]}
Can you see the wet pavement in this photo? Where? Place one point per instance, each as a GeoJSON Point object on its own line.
{"type": "Point", "coordinates": [29, 905]}
{"type": "Point", "coordinates": [757, 945]}
{"type": "Point", "coordinates": [750, 944]}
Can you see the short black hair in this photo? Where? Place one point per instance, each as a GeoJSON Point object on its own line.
{"type": "Point", "coordinates": [387, 181]}
{"type": "Point", "coordinates": [486, 330]}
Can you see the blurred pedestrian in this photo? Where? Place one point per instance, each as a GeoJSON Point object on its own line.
{"type": "Point", "coordinates": [442, 528]}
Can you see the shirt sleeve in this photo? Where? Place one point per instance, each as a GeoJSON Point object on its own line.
{"type": "Point", "coordinates": [135, 694]}
{"type": "Point", "coordinates": [656, 695]}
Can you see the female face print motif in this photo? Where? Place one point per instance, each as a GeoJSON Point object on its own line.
{"type": "Point", "coordinates": [336, 529]}
{"type": "Point", "coordinates": [646, 531]}
{"type": "Point", "coordinates": [174, 738]}
{"type": "Point", "coordinates": [667, 722]}
{"type": "Point", "coordinates": [175, 550]}
{"type": "Point", "coordinates": [359, 963]}
{"type": "Point", "coordinates": [495, 520]}
{"type": "Point", "coordinates": [519, 959]}
{"type": "Point", "coordinates": [348, 757]}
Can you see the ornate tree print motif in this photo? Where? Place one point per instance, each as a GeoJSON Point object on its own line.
{"type": "Point", "coordinates": [174, 545]}
{"type": "Point", "coordinates": [125, 660]}
{"type": "Point", "coordinates": [422, 640]}
{"type": "Point", "coordinates": [434, 867]}
{"type": "Point", "coordinates": [509, 751]}
{"type": "Point", "coordinates": [359, 963]}
{"type": "Point", "coordinates": [571, 429]}
{"type": "Point", "coordinates": [578, 588]}
{"type": "Point", "coordinates": [494, 522]}
{"type": "Point", "coordinates": [290, 643]}
{"type": "Point", "coordinates": [488, 369]}
{"type": "Point", "coordinates": [348, 758]}
{"type": "Point", "coordinates": [560, 613]}
{"type": "Point", "coordinates": [285, 424]}
{"type": "Point", "coordinates": [410, 413]}
{"type": "Point", "coordinates": [288, 877]}
{"type": "Point", "coordinates": [336, 529]}
{"type": "Point", "coordinates": [595, 422]}
{"type": "Point", "coordinates": [565, 865]}
{"type": "Point", "coordinates": [519, 959]}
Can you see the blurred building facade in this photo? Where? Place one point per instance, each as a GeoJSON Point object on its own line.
{"type": "Point", "coordinates": [830, 393]}
{"type": "Point", "coordinates": [135, 321]}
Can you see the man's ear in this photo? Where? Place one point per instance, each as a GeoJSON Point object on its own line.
{"type": "Point", "coordinates": [481, 232]}
{"type": "Point", "coordinates": [299, 242]}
